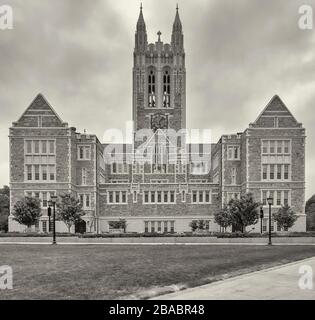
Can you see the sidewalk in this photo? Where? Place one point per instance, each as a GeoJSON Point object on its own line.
{"type": "Point", "coordinates": [276, 283]}
{"type": "Point", "coordinates": [160, 241]}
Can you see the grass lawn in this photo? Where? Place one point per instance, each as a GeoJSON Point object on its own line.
{"type": "Point", "coordinates": [112, 272]}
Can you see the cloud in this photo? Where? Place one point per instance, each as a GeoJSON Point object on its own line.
{"type": "Point", "coordinates": [79, 55]}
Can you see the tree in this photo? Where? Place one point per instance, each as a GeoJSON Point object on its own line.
{"type": "Point", "coordinates": [27, 211]}
{"type": "Point", "coordinates": [198, 225]}
{"type": "Point", "coordinates": [69, 210]}
{"type": "Point", "coordinates": [310, 213]}
{"type": "Point", "coordinates": [285, 217]}
{"type": "Point", "coordinates": [201, 224]}
{"type": "Point", "coordinates": [4, 208]}
{"type": "Point", "coordinates": [223, 218]}
{"type": "Point", "coordinates": [243, 211]}
{"type": "Point", "coordinates": [194, 225]}
{"type": "Point", "coordinates": [120, 224]}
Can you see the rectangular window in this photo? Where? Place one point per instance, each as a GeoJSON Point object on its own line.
{"type": "Point", "coordinates": [44, 226]}
{"type": "Point", "coordinates": [152, 196]}
{"type": "Point", "coordinates": [264, 198]}
{"type": "Point", "coordinates": [286, 171]}
{"type": "Point", "coordinates": [28, 146]}
{"type": "Point", "coordinates": [233, 178]}
{"type": "Point", "coordinates": [194, 197]}
{"type": "Point", "coordinates": [200, 196]}
{"type": "Point", "coordinates": [134, 197]}
{"type": "Point", "coordinates": [172, 226]}
{"type": "Point", "coordinates": [286, 146]}
{"type": "Point", "coordinates": [45, 202]}
{"type": "Point", "coordinates": [265, 146]}
{"type": "Point", "coordinates": [152, 226]}
{"type": "Point", "coordinates": [286, 198]}
{"type": "Point", "coordinates": [29, 173]}
{"type": "Point", "coordinates": [279, 146]}
{"type": "Point", "coordinates": [207, 197]}
{"type": "Point", "coordinates": [265, 167]}
{"type": "Point", "coordinates": [52, 173]}
{"type": "Point", "coordinates": [87, 201]}
{"type": "Point", "coordinates": [81, 153]}
{"type": "Point", "coordinates": [124, 197]}
{"type": "Point", "coordinates": [172, 195]}
{"type": "Point", "coordinates": [183, 196]}
{"type": "Point", "coordinates": [264, 225]}
{"type": "Point", "coordinates": [36, 168]}
{"type": "Point", "coordinates": [146, 226]}
{"type": "Point", "coordinates": [117, 200]}
{"type": "Point", "coordinates": [111, 197]}
{"type": "Point", "coordinates": [159, 226]}
{"type": "Point", "coordinates": [272, 172]}
{"type": "Point", "coordinates": [146, 197]}
{"type": "Point", "coordinates": [279, 171]}
{"type": "Point", "coordinates": [44, 146]}
{"type": "Point", "coordinates": [36, 146]}
{"type": "Point", "coordinates": [51, 146]}
{"type": "Point", "coordinates": [233, 153]}
{"type": "Point", "coordinates": [159, 197]}
{"type": "Point", "coordinates": [165, 196]}
{"type": "Point", "coordinates": [44, 173]}
{"type": "Point", "coordinates": [165, 226]}
{"type": "Point", "coordinates": [84, 152]}
{"type": "Point", "coordinates": [84, 176]}
{"type": "Point", "coordinates": [272, 146]}
{"type": "Point", "coordinates": [278, 198]}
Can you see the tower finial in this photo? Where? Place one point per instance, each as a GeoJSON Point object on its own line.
{"type": "Point", "coordinates": [141, 6]}
{"type": "Point", "coordinates": [176, 6]}
{"type": "Point", "coordinates": [159, 35]}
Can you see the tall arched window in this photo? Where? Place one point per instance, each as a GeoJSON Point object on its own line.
{"type": "Point", "coordinates": [166, 89]}
{"type": "Point", "coordinates": [151, 89]}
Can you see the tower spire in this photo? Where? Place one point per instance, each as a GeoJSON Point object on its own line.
{"type": "Point", "coordinates": [177, 23]}
{"type": "Point", "coordinates": [177, 34]}
{"type": "Point", "coordinates": [140, 23]}
{"type": "Point", "coordinates": [141, 33]}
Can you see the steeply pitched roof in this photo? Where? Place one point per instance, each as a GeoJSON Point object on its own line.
{"type": "Point", "coordinates": [275, 114]}
{"type": "Point", "coordinates": [40, 114]}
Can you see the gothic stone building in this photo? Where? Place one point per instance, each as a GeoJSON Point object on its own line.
{"type": "Point", "coordinates": [47, 157]}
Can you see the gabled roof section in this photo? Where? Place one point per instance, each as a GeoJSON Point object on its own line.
{"type": "Point", "coordinates": [276, 115]}
{"type": "Point", "coordinates": [40, 114]}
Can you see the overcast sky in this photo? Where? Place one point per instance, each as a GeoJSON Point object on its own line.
{"type": "Point", "coordinates": [79, 55]}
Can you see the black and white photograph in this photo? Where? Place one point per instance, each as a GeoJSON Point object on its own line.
{"type": "Point", "coordinates": [157, 152]}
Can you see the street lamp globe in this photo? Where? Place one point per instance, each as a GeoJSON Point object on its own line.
{"type": "Point", "coordinates": [270, 201]}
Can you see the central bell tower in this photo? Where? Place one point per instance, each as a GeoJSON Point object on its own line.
{"type": "Point", "coordinates": [159, 79]}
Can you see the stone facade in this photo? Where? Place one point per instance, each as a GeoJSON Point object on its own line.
{"type": "Point", "coordinates": [49, 157]}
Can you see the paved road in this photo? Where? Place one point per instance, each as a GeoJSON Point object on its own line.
{"type": "Point", "coordinates": [280, 282]}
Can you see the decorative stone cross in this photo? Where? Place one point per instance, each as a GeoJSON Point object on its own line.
{"type": "Point", "coordinates": [159, 34]}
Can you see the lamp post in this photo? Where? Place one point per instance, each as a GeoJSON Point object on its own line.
{"type": "Point", "coordinates": [49, 215]}
{"type": "Point", "coordinates": [52, 202]}
{"type": "Point", "coordinates": [261, 219]}
{"type": "Point", "coordinates": [270, 202]}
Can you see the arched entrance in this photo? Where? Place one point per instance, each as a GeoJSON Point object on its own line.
{"type": "Point", "coordinates": [80, 227]}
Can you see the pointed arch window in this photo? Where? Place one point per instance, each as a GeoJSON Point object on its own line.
{"type": "Point", "coordinates": [166, 89]}
{"type": "Point", "coordinates": [151, 89]}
